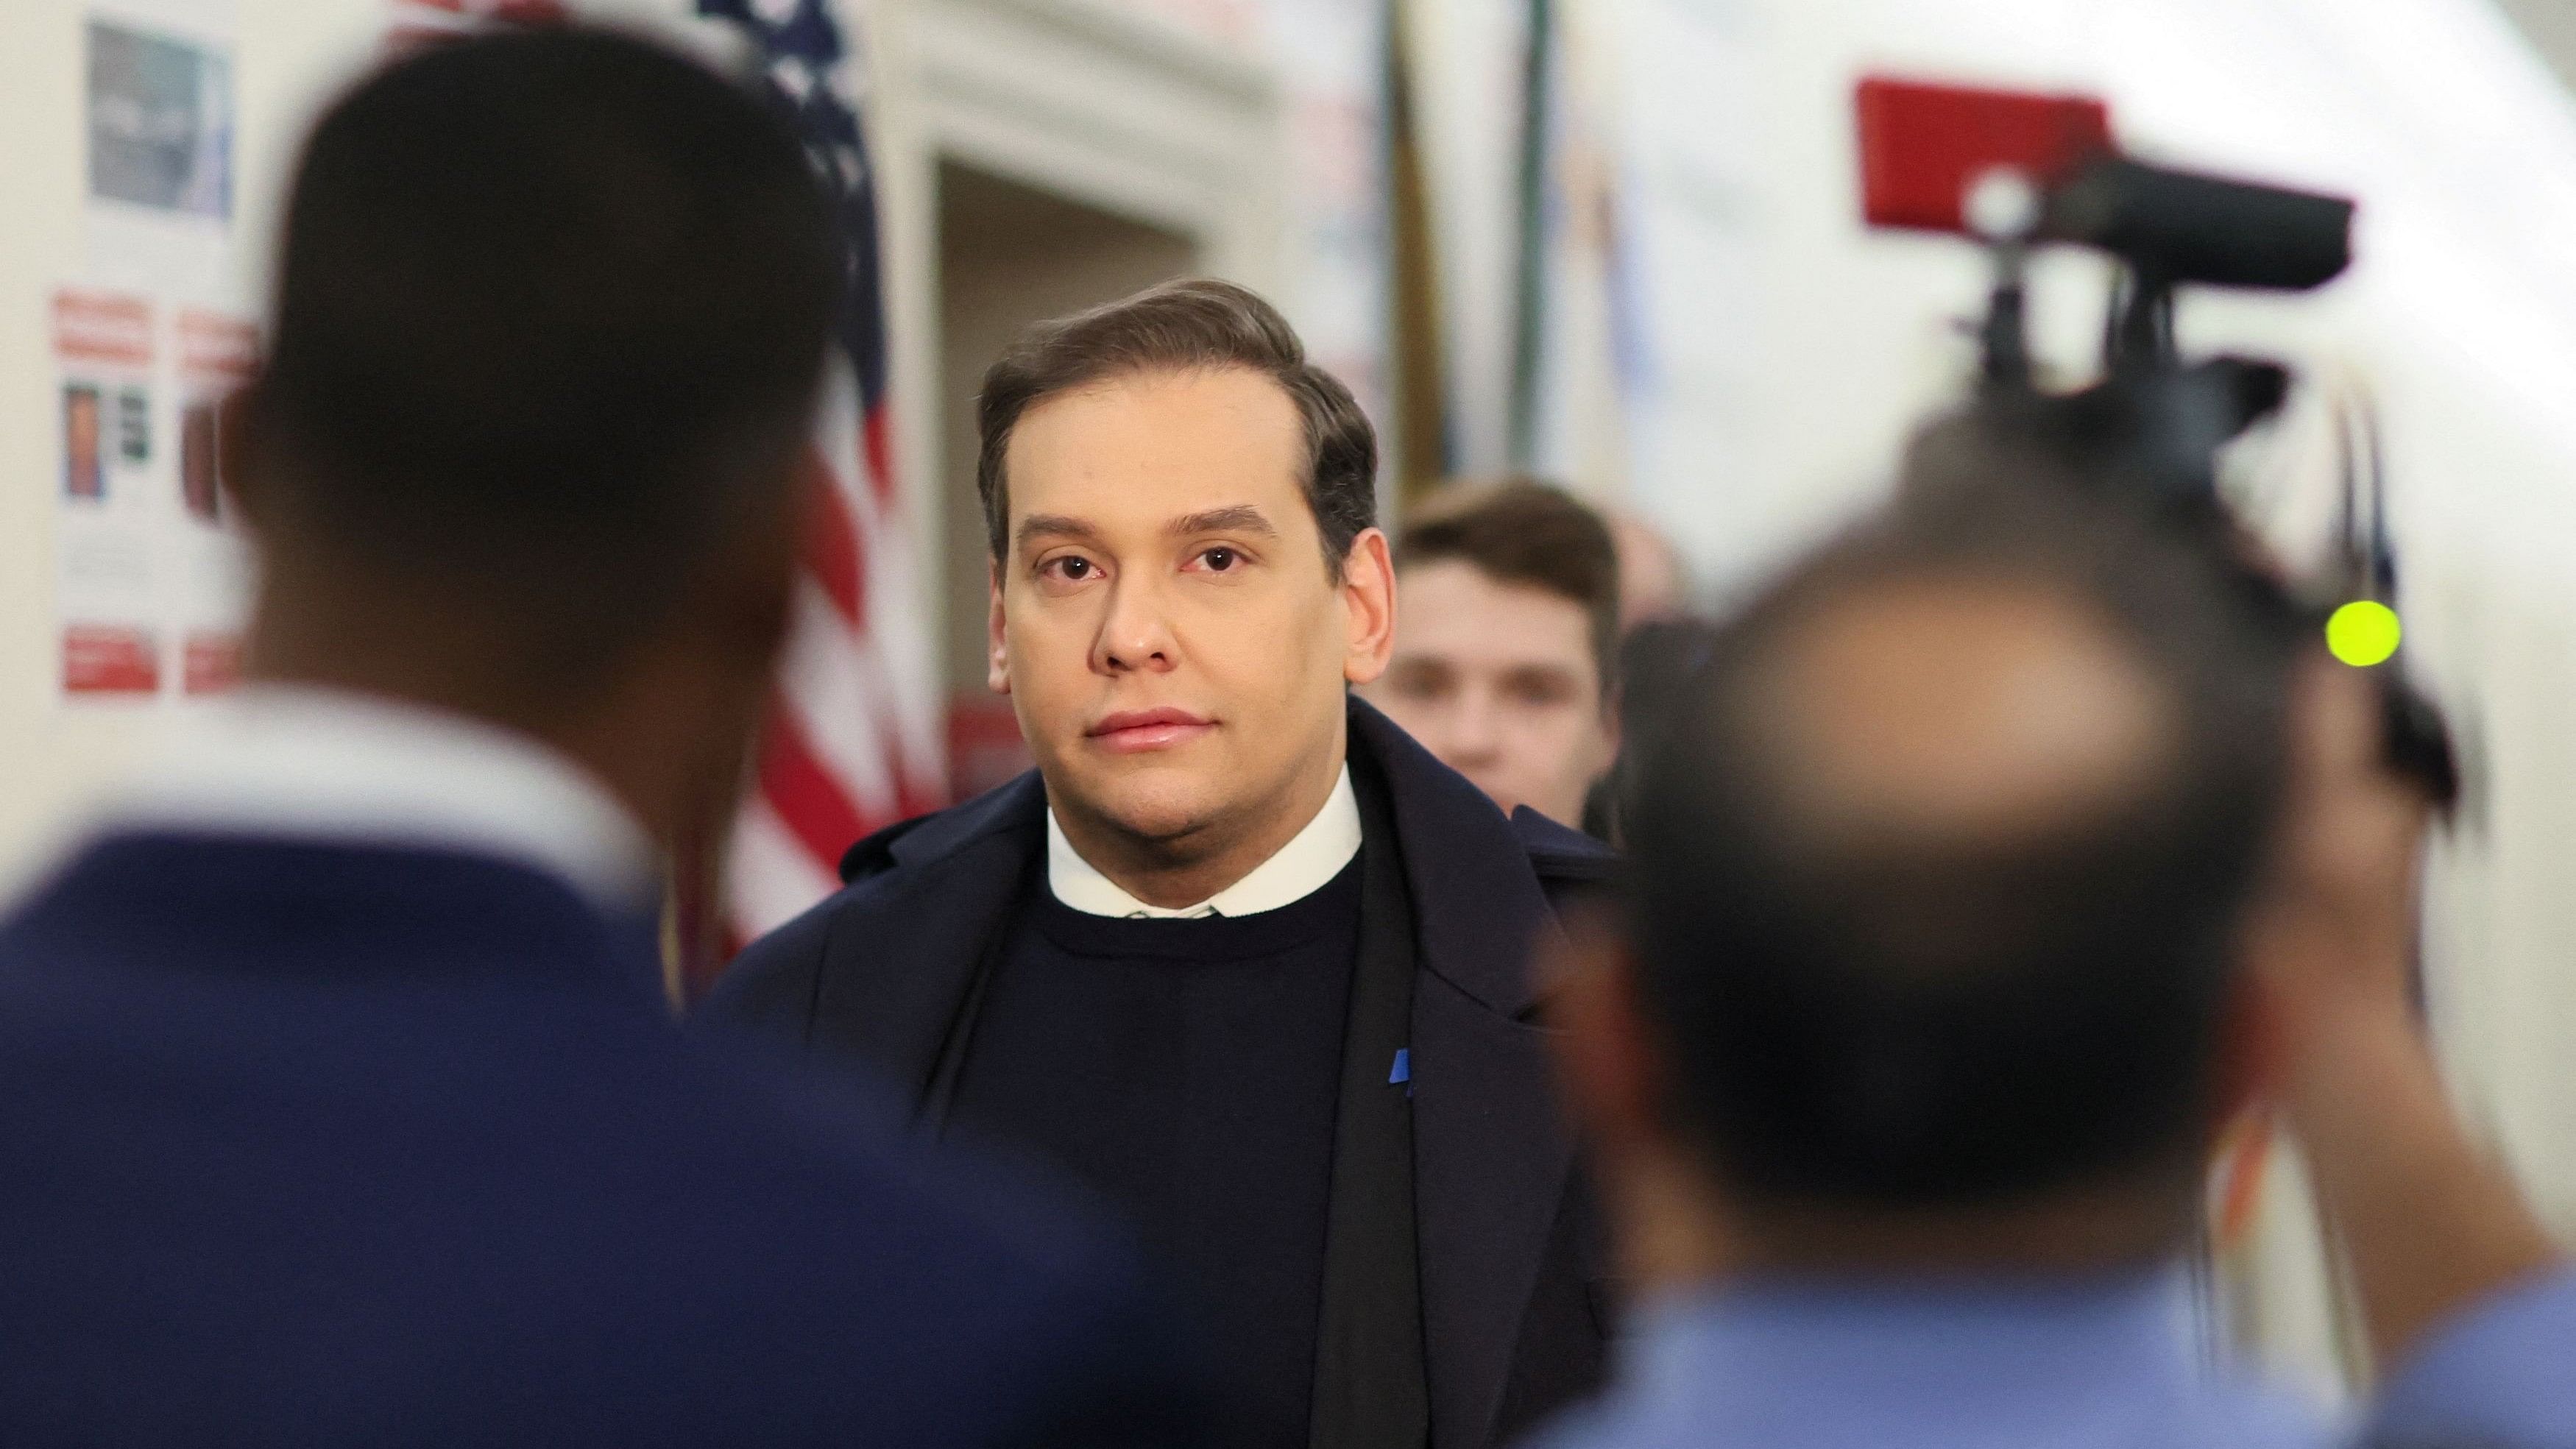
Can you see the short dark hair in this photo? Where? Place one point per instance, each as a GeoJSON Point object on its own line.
{"type": "Point", "coordinates": [1176, 327]}
{"type": "Point", "coordinates": [1913, 1024]}
{"type": "Point", "coordinates": [549, 306]}
{"type": "Point", "coordinates": [1521, 531]}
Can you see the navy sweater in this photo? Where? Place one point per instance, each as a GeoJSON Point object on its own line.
{"type": "Point", "coordinates": [1188, 1070]}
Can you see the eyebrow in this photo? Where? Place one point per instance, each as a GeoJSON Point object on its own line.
{"type": "Point", "coordinates": [1238, 518]}
{"type": "Point", "coordinates": [1055, 525]}
{"type": "Point", "coordinates": [1241, 518]}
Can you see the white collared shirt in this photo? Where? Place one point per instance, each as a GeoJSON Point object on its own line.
{"type": "Point", "coordinates": [1305, 865]}
{"type": "Point", "coordinates": [335, 765]}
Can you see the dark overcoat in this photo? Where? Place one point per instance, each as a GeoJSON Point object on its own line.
{"type": "Point", "coordinates": [1513, 1288]}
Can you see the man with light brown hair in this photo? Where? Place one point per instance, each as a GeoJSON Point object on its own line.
{"type": "Point", "coordinates": [1238, 953]}
{"type": "Point", "coordinates": [1507, 651]}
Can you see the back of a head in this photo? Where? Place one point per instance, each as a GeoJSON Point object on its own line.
{"type": "Point", "coordinates": [1528, 534]}
{"type": "Point", "coordinates": [1940, 859]}
{"type": "Point", "coordinates": [550, 316]}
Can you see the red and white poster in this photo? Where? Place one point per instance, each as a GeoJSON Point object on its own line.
{"type": "Point", "coordinates": [151, 576]}
{"type": "Point", "coordinates": [108, 582]}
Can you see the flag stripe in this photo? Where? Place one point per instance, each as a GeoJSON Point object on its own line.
{"type": "Point", "coordinates": [831, 682]}
{"type": "Point", "coordinates": [803, 793]}
{"type": "Point", "coordinates": [832, 555]}
{"type": "Point", "coordinates": [774, 877]}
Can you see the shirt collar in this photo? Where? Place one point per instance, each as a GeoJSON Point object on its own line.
{"type": "Point", "coordinates": [1962, 1358]}
{"type": "Point", "coordinates": [1305, 865]}
{"type": "Point", "coordinates": [302, 761]}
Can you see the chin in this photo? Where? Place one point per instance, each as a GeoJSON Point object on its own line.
{"type": "Point", "coordinates": [1149, 808]}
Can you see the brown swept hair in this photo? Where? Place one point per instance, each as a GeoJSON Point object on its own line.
{"type": "Point", "coordinates": [1178, 327]}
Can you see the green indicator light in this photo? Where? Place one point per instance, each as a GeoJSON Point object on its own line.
{"type": "Point", "coordinates": [2362, 633]}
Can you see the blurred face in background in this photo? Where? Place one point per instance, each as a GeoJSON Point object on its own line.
{"type": "Point", "coordinates": [1500, 682]}
{"type": "Point", "coordinates": [1163, 618]}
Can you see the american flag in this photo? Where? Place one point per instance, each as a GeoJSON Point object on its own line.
{"type": "Point", "coordinates": [853, 741]}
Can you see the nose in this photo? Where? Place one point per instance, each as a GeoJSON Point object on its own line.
{"type": "Point", "coordinates": [1135, 634]}
{"type": "Point", "coordinates": [1474, 734]}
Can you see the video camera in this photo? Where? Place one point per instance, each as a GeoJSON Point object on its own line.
{"type": "Point", "coordinates": [2016, 171]}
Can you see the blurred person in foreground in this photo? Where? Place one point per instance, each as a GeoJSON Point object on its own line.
{"type": "Point", "coordinates": [1507, 645]}
{"type": "Point", "coordinates": [1239, 952]}
{"type": "Point", "coordinates": [343, 1103]}
{"type": "Point", "coordinates": [1991, 864]}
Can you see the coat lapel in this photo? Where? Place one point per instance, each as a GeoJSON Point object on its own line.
{"type": "Point", "coordinates": [1490, 1158]}
{"type": "Point", "coordinates": [897, 969]}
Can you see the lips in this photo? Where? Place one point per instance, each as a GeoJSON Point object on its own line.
{"type": "Point", "coordinates": [1136, 731]}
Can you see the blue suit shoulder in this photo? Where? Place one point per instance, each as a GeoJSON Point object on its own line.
{"type": "Point", "coordinates": [534, 1212]}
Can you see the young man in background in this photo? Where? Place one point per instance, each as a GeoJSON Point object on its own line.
{"type": "Point", "coordinates": [1507, 648]}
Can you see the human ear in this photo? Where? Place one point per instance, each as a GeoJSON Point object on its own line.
{"type": "Point", "coordinates": [236, 429]}
{"type": "Point", "coordinates": [1368, 602]}
{"type": "Point", "coordinates": [997, 658]}
{"type": "Point", "coordinates": [2248, 1059]}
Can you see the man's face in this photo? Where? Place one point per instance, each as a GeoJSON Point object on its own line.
{"type": "Point", "coordinates": [1498, 680]}
{"type": "Point", "coordinates": [1163, 620]}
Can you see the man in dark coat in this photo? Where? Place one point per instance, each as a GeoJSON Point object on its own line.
{"type": "Point", "coordinates": [1239, 953]}
{"type": "Point", "coordinates": [344, 1104]}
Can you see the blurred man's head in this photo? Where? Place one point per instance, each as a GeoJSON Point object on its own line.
{"type": "Point", "coordinates": [1507, 644]}
{"type": "Point", "coordinates": [529, 441]}
{"type": "Point", "coordinates": [1186, 574]}
{"type": "Point", "coordinates": [1939, 878]}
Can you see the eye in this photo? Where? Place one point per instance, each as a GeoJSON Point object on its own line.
{"type": "Point", "coordinates": [1219, 560]}
{"type": "Point", "coordinates": [1541, 691]}
{"type": "Point", "coordinates": [1419, 680]}
{"type": "Point", "coordinates": [1072, 568]}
